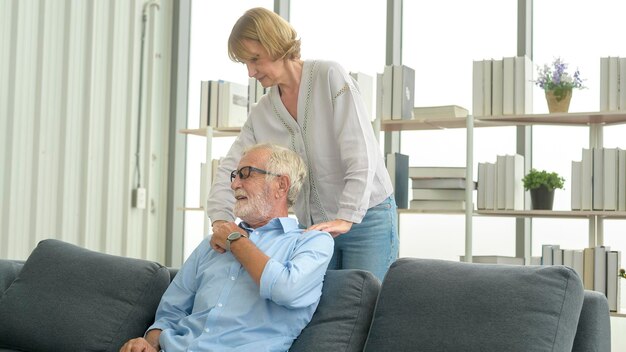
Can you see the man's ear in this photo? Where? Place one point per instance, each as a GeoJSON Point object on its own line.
{"type": "Point", "coordinates": [284, 183]}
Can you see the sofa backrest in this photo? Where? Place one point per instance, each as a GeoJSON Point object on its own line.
{"type": "Point", "coordinates": [437, 305]}
{"type": "Point", "coordinates": [343, 316]}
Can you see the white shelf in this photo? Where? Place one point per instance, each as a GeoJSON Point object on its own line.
{"type": "Point", "coordinates": [553, 213]}
{"type": "Point", "coordinates": [217, 132]}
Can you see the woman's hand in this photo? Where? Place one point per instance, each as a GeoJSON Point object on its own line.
{"type": "Point", "coordinates": [335, 228]}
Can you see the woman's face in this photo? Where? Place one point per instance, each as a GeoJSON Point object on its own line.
{"type": "Point", "coordinates": [261, 66]}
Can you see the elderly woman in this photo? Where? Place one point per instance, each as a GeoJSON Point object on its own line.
{"type": "Point", "coordinates": [315, 109]}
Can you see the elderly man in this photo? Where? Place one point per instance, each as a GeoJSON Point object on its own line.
{"type": "Point", "coordinates": [256, 288]}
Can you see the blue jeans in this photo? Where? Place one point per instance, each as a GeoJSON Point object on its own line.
{"type": "Point", "coordinates": [371, 245]}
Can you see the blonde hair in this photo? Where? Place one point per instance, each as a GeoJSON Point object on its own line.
{"type": "Point", "coordinates": [275, 34]}
{"type": "Point", "coordinates": [283, 161]}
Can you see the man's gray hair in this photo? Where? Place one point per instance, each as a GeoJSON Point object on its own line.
{"type": "Point", "coordinates": [283, 161]}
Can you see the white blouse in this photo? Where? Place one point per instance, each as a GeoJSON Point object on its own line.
{"type": "Point", "coordinates": [333, 134]}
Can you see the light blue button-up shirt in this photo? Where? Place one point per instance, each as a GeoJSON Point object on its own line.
{"type": "Point", "coordinates": [214, 305]}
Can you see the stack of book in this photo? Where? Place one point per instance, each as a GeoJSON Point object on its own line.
{"type": "Point", "coordinates": [438, 112]}
{"type": "Point", "coordinates": [500, 185]}
{"type": "Point", "coordinates": [599, 180]}
{"type": "Point", "coordinates": [255, 91]}
{"type": "Point", "coordinates": [598, 267]}
{"type": "Point", "coordinates": [502, 87]}
{"type": "Point", "coordinates": [612, 83]}
{"type": "Point", "coordinates": [398, 92]}
{"type": "Point", "coordinates": [438, 188]}
{"type": "Point", "coordinates": [223, 104]}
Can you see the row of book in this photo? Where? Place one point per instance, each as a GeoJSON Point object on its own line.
{"type": "Point", "coordinates": [225, 104]}
{"type": "Point", "coordinates": [599, 180]}
{"type": "Point", "coordinates": [438, 188]}
{"type": "Point", "coordinates": [397, 92]}
{"type": "Point", "coordinates": [502, 86]}
{"type": "Point", "coordinates": [207, 175]}
{"type": "Point", "coordinates": [500, 185]}
{"type": "Point", "coordinates": [598, 267]}
{"type": "Point", "coordinates": [612, 86]}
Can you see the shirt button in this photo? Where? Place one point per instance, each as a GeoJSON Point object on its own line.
{"type": "Point", "coordinates": [219, 304]}
{"type": "Point", "coordinates": [232, 278]}
{"type": "Point", "coordinates": [207, 330]}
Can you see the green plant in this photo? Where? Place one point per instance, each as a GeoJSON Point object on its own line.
{"type": "Point", "coordinates": [554, 78]}
{"type": "Point", "coordinates": [535, 179]}
{"type": "Point", "coordinates": [622, 273]}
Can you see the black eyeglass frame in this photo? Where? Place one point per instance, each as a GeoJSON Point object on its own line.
{"type": "Point", "coordinates": [250, 169]}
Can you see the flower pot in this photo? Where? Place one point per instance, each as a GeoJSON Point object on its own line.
{"type": "Point", "coordinates": [542, 198]}
{"type": "Point", "coordinates": [558, 103]}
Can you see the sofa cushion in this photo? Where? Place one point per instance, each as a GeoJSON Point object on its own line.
{"type": "Point", "coordinates": [343, 315]}
{"type": "Point", "coordinates": [68, 298]}
{"type": "Point", "coordinates": [437, 305]}
{"type": "Point", "coordinates": [594, 326]}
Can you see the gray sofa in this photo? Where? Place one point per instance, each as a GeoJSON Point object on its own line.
{"type": "Point", "coordinates": [66, 298]}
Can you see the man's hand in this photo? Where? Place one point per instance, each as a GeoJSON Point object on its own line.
{"type": "Point", "coordinates": [335, 228]}
{"type": "Point", "coordinates": [221, 230]}
{"type": "Point", "coordinates": [138, 345]}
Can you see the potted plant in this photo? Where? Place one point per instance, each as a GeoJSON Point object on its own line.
{"type": "Point", "coordinates": [541, 185]}
{"type": "Point", "coordinates": [558, 84]}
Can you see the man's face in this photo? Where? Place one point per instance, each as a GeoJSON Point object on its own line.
{"type": "Point", "coordinates": [254, 193]}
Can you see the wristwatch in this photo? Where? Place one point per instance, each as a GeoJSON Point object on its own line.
{"type": "Point", "coordinates": [233, 237]}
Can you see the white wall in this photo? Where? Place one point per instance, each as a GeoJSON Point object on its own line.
{"type": "Point", "coordinates": [69, 102]}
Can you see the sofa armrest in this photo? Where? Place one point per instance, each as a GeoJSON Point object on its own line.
{"type": "Point", "coordinates": [594, 326]}
{"type": "Point", "coordinates": [9, 269]}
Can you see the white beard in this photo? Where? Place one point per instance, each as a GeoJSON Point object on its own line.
{"type": "Point", "coordinates": [254, 209]}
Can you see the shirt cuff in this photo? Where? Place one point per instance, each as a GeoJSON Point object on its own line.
{"type": "Point", "coordinates": [269, 276]}
{"type": "Point", "coordinates": [354, 216]}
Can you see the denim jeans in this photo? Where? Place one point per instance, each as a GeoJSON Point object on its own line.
{"type": "Point", "coordinates": [371, 245]}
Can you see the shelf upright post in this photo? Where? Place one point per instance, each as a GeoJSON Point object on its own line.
{"type": "Point", "coordinates": [209, 165]}
{"type": "Point", "coordinates": [469, 186]}
{"type": "Point", "coordinates": [596, 223]}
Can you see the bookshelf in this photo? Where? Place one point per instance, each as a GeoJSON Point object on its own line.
{"type": "Point", "coordinates": [595, 121]}
{"type": "Point", "coordinates": [209, 133]}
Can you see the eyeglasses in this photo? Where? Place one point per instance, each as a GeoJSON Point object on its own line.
{"type": "Point", "coordinates": [246, 171]}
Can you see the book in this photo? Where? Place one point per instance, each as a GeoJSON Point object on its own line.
{"type": "Point", "coordinates": [403, 93]}
{"type": "Point", "coordinates": [598, 179]}
{"type": "Point", "coordinates": [614, 83]}
{"type": "Point", "coordinates": [613, 262]}
{"type": "Point", "coordinates": [588, 268]}
{"type": "Point", "coordinates": [495, 259]}
{"type": "Point", "coordinates": [508, 85]}
{"type": "Point", "coordinates": [497, 72]}
{"type": "Point", "coordinates": [438, 194]}
{"type": "Point", "coordinates": [576, 185]}
{"type": "Point", "coordinates": [398, 168]}
{"type": "Point", "coordinates": [500, 181]}
{"type": "Point", "coordinates": [204, 104]}
{"type": "Point", "coordinates": [586, 188]}
{"type": "Point", "coordinates": [440, 183]}
{"type": "Point", "coordinates": [578, 262]}
{"type": "Point", "coordinates": [599, 268]}
{"type": "Point", "coordinates": [622, 83]}
{"type": "Point", "coordinates": [233, 105]}
{"type": "Point", "coordinates": [490, 186]}
{"type": "Point", "coordinates": [214, 87]}
{"type": "Point", "coordinates": [568, 257]}
{"type": "Point", "coordinates": [437, 171]}
{"type": "Point", "coordinates": [379, 96]}
{"type": "Point", "coordinates": [387, 93]}
{"type": "Point", "coordinates": [609, 182]}
{"type": "Point", "coordinates": [604, 84]}
{"type": "Point", "coordinates": [443, 111]}
{"type": "Point", "coordinates": [422, 204]}
{"type": "Point", "coordinates": [523, 85]}
{"type": "Point", "coordinates": [557, 256]}
{"type": "Point", "coordinates": [477, 88]}
{"type": "Point", "coordinates": [482, 184]}
{"type": "Point", "coordinates": [514, 187]}
{"type": "Point", "coordinates": [547, 253]}
{"type": "Point", "coordinates": [487, 91]}
{"type": "Point", "coordinates": [621, 178]}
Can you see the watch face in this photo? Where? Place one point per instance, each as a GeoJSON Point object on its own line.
{"type": "Point", "coordinates": [233, 236]}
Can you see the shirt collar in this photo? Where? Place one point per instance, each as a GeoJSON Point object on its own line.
{"type": "Point", "coordinates": [286, 223]}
